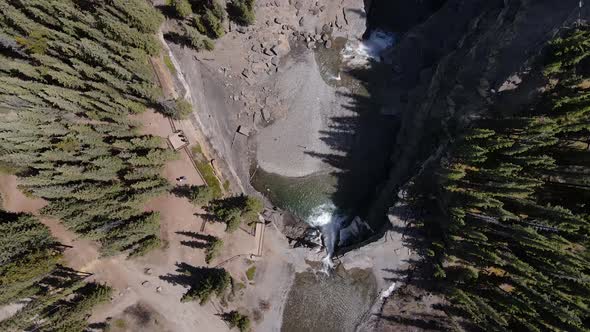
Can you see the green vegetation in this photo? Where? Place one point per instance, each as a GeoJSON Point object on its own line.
{"type": "Point", "coordinates": [29, 268]}
{"type": "Point", "coordinates": [182, 8]}
{"type": "Point", "coordinates": [241, 11]}
{"type": "Point", "coordinates": [209, 19]}
{"type": "Point", "coordinates": [183, 109]}
{"type": "Point", "coordinates": [150, 243]}
{"type": "Point", "coordinates": [236, 319]}
{"type": "Point", "coordinates": [202, 20]}
{"type": "Point", "coordinates": [120, 323]}
{"type": "Point", "coordinates": [169, 64]}
{"type": "Point", "coordinates": [27, 253]}
{"type": "Point", "coordinates": [70, 75]}
{"type": "Point", "coordinates": [234, 210]}
{"type": "Point", "coordinates": [198, 195]}
{"type": "Point", "coordinates": [251, 273]}
{"type": "Point", "coordinates": [178, 109]}
{"type": "Point", "coordinates": [195, 40]}
{"type": "Point", "coordinates": [207, 172]}
{"type": "Point", "coordinates": [213, 249]}
{"type": "Point", "coordinates": [209, 281]}
{"type": "Point", "coordinates": [513, 252]}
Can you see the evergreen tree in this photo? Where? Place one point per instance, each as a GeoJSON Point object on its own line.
{"type": "Point", "coordinates": [515, 249]}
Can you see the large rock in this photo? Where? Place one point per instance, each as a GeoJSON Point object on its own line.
{"type": "Point", "coordinates": [302, 21]}
{"type": "Point", "coordinates": [258, 68]}
{"type": "Point", "coordinates": [281, 49]}
{"type": "Point", "coordinates": [297, 232]}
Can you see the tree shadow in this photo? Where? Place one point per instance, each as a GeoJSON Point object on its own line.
{"type": "Point", "coordinates": [426, 322]}
{"type": "Point", "coordinates": [197, 236]}
{"type": "Point", "coordinates": [177, 38]}
{"type": "Point", "coordinates": [362, 141]}
{"type": "Point", "coordinates": [360, 138]}
{"type": "Point", "coordinates": [195, 244]}
{"type": "Point", "coordinates": [168, 11]}
{"type": "Point", "coordinates": [201, 241]}
{"type": "Point", "coordinates": [101, 326]}
{"type": "Point", "coordinates": [186, 275]}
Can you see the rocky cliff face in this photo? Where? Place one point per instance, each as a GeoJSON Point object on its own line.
{"type": "Point", "coordinates": [459, 59]}
{"type": "Point", "coordinates": [455, 61]}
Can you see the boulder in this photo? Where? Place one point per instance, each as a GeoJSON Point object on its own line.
{"type": "Point", "coordinates": [258, 68]}
{"type": "Point", "coordinates": [275, 60]}
{"type": "Point", "coordinates": [274, 50]}
{"type": "Point", "coordinates": [337, 23]}
{"type": "Point", "coordinates": [328, 44]}
{"type": "Point", "coordinates": [282, 48]}
{"type": "Point", "coordinates": [268, 52]}
{"type": "Point", "coordinates": [265, 114]}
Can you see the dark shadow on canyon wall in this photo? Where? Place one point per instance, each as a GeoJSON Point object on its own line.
{"type": "Point", "coordinates": [362, 141]}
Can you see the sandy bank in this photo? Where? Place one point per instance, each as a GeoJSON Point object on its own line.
{"type": "Point", "coordinates": [284, 147]}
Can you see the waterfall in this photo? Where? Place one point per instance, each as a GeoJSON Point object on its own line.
{"type": "Point", "coordinates": [337, 229]}
{"type": "Point", "coordinates": [361, 53]}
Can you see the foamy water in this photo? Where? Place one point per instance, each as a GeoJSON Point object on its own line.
{"type": "Point", "coordinates": [361, 53]}
{"type": "Point", "coordinates": [322, 215]}
{"type": "Point", "coordinates": [326, 218]}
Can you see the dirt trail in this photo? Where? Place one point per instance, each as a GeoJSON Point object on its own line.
{"type": "Point", "coordinates": [129, 278]}
{"type": "Point", "coordinates": [80, 252]}
{"type": "Point", "coordinates": [14, 200]}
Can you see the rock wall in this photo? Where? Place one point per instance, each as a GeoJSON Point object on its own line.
{"type": "Point", "coordinates": [450, 68]}
{"type": "Point", "coordinates": [455, 61]}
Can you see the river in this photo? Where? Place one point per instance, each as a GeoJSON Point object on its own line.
{"type": "Point", "coordinates": [328, 200]}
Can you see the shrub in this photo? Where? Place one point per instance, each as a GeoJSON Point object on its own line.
{"type": "Point", "coordinates": [208, 44]}
{"type": "Point", "coordinates": [241, 11]}
{"type": "Point", "coordinates": [120, 323]}
{"type": "Point", "coordinates": [182, 8]}
{"type": "Point", "coordinates": [233, 210]}
{"type": "Point", "coordinates": [251, 273]}
{"type": "Point", "coordinates": [214, 281]}
{"type": "Point", "coordinates": [195, 40]}
{"type": "Point", "coordinates": [209, 24]}
{"type": "Point", "coordinates": [178, 109]}
{"type": "Point", "coordinates": [213, 249]}
{"type": "Point", "coordinates": [236, 319]}
{"type": "Point", "coordinates": [207, 172]}
{"type": "Point", "coordinates": [198, 195]}
{"type": "Point", "coordinates": [148, 244]}
{"type": "Point", "coordinates": [169, 64]}
{"type": "Point", "coordinates": [183, 108]}
{"type": "Point", "coordinates": [252, 208]}
{"type": "Point", "coordinates": [233, 221]}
